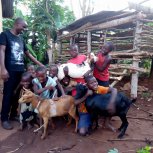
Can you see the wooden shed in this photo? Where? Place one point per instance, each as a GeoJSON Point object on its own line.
{"type": "Point", "coordinates": [131, 33]}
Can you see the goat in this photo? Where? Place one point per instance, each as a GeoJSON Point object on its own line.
{"type": "Point", "coordinates": [76, 70]}
{"type": "Point", "coordinates": [97, 105]}
{"type": "Point", "coordinates": [48, 108]}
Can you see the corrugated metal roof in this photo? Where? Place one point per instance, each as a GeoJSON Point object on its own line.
{"type": "Point", "coordinates": [94, 19]}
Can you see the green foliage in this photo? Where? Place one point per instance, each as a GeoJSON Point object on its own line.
{"type": "Point", "coordinates": [145, 63]}
{"type": "Point", "coordinates": [146, 95]}
{"type": "Point", "coordinates": [7, 23]}
{"type": "Point", "coordinates": [146, 149]}
{"type": "Point", "coordinates": [125, 62]}
{"type": "Point", "coordinates": [46, 17]}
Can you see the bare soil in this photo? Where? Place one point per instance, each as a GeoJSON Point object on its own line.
{"type": "Point", "coordinates": [63, 139]}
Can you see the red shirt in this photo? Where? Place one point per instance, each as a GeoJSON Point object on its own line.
{"type": "Point", "coordinates": [103, 76]}
{"type": "Point", "coordinates": [77, 60]}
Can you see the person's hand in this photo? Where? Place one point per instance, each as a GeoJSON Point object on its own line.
{"type": "Point", "coordinates": [111, 108]}
{"type": "Point", "coordinates": [89, 92]}
{"type": "Point", "coordinates": [4, 74]}
{"type": "Point", "coordinates": [55, 98]}
{"type": "Point", "coordinates": [49, 87]}
{"type": "Point", "coordinates": [64, 95]}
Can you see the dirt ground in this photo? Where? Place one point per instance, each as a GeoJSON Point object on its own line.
{"type": "Point", "coordinates": [138, 134]}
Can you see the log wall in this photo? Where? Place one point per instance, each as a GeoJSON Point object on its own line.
{"type": "Point", "coordinates": [132, 43]}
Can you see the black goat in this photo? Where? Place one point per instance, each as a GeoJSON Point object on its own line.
{"type": "Point", "coordinates": [97, 105]}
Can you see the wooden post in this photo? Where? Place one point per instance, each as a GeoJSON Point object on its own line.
{"type": "Point", "coordinates": [71, 41]}
{"type": "Point", "coordinates": [60, 47]}
{"type": "Point", "coordinates": [88, 42]}
{"type": "Point", "coordinates": [137, 41]}
{"type": "Point", "coordinates": [0, 16]}
{"type": "Point", "coordinates": [134, 80]}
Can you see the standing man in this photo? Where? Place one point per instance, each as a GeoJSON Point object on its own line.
{"type": "Point", "coordinates": [12, 50]}
{"type": "Point", "coordinates": [101, 72]}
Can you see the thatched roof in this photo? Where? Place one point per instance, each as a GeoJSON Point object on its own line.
{"type": "Point", "coordinates": [95, 19]}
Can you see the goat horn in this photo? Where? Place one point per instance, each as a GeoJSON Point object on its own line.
{"type": "Point", "coordinates": [25, 89]}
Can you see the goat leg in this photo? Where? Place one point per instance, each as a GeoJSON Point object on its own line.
{"type": "Point", "coordinates": [69, 120]}
{"type": "Point", "coordinates": [72, 113]}
{"type": "Point", "coordinates": [123, 126]}
{"type": "Point", "coordinates": [45, 119]}
{"type": "Point", "coordinates": [123, 131]}
{"type": "Point", "coordinates": [52, 124]}
{"type": "Point", "coordinates": [108, 124]}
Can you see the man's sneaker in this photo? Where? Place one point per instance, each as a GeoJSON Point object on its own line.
{"type": "Point", "coordinates": [6, 125]}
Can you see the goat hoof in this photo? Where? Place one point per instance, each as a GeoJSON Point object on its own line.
{"type": "Point", "coordinates": [76, 131]}
{"type": "Point", "coordinates": [120, 136]}
{"type": "Point", "coordinates": [42, 137]}
{"type": "Point", "coordinates": [21, 127]}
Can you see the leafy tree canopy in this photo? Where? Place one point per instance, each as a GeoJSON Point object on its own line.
{"type": "Point", "coordinates": [44, 19]}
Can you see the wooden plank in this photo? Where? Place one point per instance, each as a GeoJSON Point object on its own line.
{"type": "Point", "coordinates": [125, 66]}
{"type": "Point", "coordinates": [114, 23]}
{"type": "Point", "coordinates": [125, 54]}
{"type": "Point", "coordinates": [88, 41]}
{"type": "Point", "coordinates": [76, 31]}
{"type": "Point", "coordinates": [116, 81]}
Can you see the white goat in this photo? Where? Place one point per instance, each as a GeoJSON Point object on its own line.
{"type": "Point", "coordinates": [76, 70]}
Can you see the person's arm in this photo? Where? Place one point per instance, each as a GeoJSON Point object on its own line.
{"type": "Point", "coordinates": [4, 72]}
{"type": "Point", "coordinates": [33, 59]}
{"type": "Point", "coordinates": [71, 86]}
{"type": "Point", "coordinates": [113, 92]}
{"type": "Point", "coordinates": [39, 91]}
{"type": "Point", "coordinates": [78, 101]}
{"type": "Point", "coordinates": [105, 64]}
{"type": "Point", "coordinates": [60, 88]}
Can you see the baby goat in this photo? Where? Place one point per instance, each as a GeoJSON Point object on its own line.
{"type": "Point", "coordinates": [48, 108]}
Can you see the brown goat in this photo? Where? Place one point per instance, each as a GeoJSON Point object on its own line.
{"type": "Point", "coordinates": [48, 108]}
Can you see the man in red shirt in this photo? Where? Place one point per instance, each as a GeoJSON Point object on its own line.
{"type": "Point", "coordinates": [101, 72]}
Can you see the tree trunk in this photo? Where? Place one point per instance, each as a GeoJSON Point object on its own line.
{"type": "Point", "coordinates": [49, 50]}
{"type": "Point", "coordinates": [86, 7]}
{"type": "Point", "coordinates": [0, 16]}
{"type": "Point", "coordinates": [7, 8]}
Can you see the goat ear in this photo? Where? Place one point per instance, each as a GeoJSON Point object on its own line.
{"type": "Point", "coordinates": [24, 88]}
